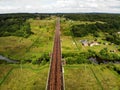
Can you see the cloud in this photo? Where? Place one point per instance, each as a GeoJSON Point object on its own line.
{"type": "Point", "coordinates": [47, 6]}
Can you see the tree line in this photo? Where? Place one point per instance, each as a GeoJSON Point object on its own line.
{"type": "Point", "coordinates": [92, 17]}
{"type": "Point", "coordinates": [85, 29]}
{"type": "Point", "coordinates": [83, 57]}
{"type": "Point", "coordinates": [15, 27]}
{"type": "Point", "coordinates": [16, 24]}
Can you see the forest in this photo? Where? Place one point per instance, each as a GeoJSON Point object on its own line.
{"type": "Point", "coordinates": [16, 24]}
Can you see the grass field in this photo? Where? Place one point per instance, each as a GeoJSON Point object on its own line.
{"type": "Point", "coordinates": [76, 77]}
{"type": "Point", "coordinates": [90, 77]}
{"type": "Point", "coordinates": [29, 77]}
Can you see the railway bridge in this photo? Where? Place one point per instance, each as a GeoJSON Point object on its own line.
{"type": "Point", "coordinates": [55, 79]}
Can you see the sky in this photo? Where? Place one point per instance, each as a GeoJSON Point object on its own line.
{"type": "Point", "coordinates": [59, 6]}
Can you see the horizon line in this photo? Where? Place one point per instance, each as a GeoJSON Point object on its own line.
{"type": "Point", "coordinates": [61, 13]}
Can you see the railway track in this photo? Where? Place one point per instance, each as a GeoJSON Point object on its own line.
{"type": "Point", "coordinates": [55, 79]}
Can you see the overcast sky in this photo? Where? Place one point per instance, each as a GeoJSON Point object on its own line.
{"type": "Point", "coordinates": [59, 6]}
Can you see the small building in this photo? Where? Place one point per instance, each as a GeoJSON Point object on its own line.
{"type": "Point", "coordinates": [93, 44]}
{"type": "Point", "coordinates": [85, 42]}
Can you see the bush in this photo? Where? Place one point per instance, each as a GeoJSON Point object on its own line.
{"type": "Point", "coordinates": [78, 58]}
{"type": "Point", "coordinates": [15, 27]}
{"type": "Point", "coordinates": [44, 58]}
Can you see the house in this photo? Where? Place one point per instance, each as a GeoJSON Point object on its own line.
{"type": "Point", "coordinates": [85, 42]}
{"type": "Point", "coordinates": [93, 44]}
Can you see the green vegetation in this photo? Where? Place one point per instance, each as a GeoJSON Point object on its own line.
{"type": "Point", "coordinates": [15, 27]}
{"type": "Point", "coordinates": [92, 77]}
{"type": "Point", "coordinates": [110, 26]}
{"type": "Point", "coordinates": [93, 17]}
{"type": "Point", "coordinates": [28, 77]}
{"type": "Point", "coordinates": [110, 30]}
{"type": "Point", "coordinates": [102, 29]}
{"type": "Point", "coordinates": [28, 38]}
{"type": "Point", "coordinates": [32, 48]}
